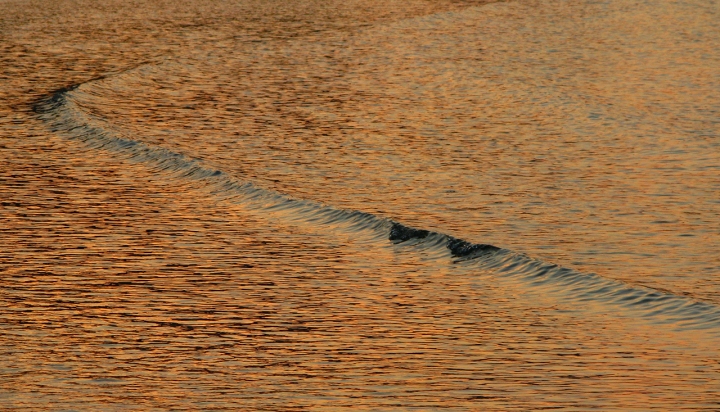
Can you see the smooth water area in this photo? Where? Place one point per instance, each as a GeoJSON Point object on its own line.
{"type": "Point", "coordinates": [396, 206]}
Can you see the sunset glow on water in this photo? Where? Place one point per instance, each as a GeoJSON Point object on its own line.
{"type": "Point", "coordinates": [266, 205]}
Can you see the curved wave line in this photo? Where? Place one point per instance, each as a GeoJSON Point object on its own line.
{"type": "Point", "coordinates": [62, 115]}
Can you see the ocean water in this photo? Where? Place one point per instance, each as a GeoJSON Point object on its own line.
{"type": "Point", "coordinates": [268, 205]}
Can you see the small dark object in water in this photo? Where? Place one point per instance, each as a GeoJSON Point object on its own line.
{"type": "Point", "coordinates": [461, 248]}
{"type": "Point", "coordinates": [403, 233]}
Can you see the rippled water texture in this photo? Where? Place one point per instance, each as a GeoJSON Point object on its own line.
{"type": "Point", "coordinates": [359, 205]}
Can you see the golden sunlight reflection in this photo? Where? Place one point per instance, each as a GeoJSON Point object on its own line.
{"type": "Point", "coordinates": [261, 205]}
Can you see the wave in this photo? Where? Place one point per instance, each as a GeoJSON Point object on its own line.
{"type": "Point", "coordinates": [62, 115]}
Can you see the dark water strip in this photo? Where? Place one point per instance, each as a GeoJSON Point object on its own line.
{"type": "Point", "coordinates": [62, 115]}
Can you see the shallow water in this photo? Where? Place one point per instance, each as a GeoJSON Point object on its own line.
{"type": "Point", "coordinates": [214, 211]}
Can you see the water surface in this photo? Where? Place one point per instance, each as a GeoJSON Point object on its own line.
{"type": "Point", "coordinates": [213, 207]}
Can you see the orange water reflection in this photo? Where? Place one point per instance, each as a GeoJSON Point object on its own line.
{"type": "Point", "coordinates": [123, 288]}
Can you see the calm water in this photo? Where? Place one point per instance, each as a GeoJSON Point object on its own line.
{"type": "Point", "coordinates": [364, 205]}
